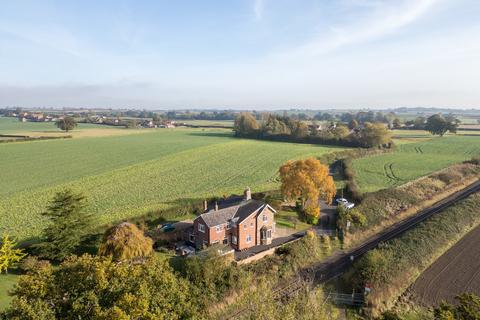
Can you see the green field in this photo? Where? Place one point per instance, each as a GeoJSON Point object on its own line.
{"type": "Point", "coordinates": [6, 284]}
{"type": "Point", "coordinates": [126, 176]}
{"type": "Point", "coordinates": [223, 123]}
{"type": "Point", "coordinates": [14, 126]}
{"type": "Point", "coordinates": [413, 160]}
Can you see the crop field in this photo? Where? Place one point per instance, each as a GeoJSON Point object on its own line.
{"type": "Point", "coordinates": [413, 160]}
{"type": "Point", "coordinates": [223, 123]}
{"type": "Point", "coordinates": [14, 126]}
{"type": "Point", "coordinates": [455, 272]}
{"type": "Point", "coordinates": [130, 175]}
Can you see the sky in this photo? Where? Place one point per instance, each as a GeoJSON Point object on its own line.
{"type": "Point", "coordinates": [240, 54]}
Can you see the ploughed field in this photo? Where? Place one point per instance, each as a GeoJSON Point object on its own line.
{"type": "Point", "coordinates": [130, 175]}
{"type": "Point", "coordinates": [413, 160]}
{"type": "Point", "coordinates": [455, 272]}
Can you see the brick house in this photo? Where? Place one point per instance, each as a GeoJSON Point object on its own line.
{"type": "Point", "coordinates": [245, 224]}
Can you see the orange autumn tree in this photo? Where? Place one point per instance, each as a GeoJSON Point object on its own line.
{"type": "Point", "coordinates": [307, 180]}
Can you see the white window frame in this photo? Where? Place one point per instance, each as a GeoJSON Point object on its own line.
{"type": "Point", "coordinates": [244, 226]}
{"type": "Point", "coordinates": [234, 239]}
{"type": "Point", "coordinates": [229, 225]}
{"type": "Point", "coordinates": [269, 233]}
{"type": "Point", "coordinates": [251, 224]}
{"type": "Point", "coordinates": [248, 238]}
{"type": "Point", "coordinates": [265, 218]}
{"type": "Point", "coordinates": [201, 228]}
{"type": "Point", "coordinates": [218, 228]}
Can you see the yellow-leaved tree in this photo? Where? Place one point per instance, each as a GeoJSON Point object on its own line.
{"type": "Point", "coordinates": [10, 255]}
{"type": "Point", "coordinates": [309, 181]}
{"type": "Point", "coordinates": [125, 241]}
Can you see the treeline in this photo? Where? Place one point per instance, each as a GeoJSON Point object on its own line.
{"type": "Point", "coordinates": [391, 268]}
{"type": "Point", "coordinates": [203, 115]}
{"type": "Point", "coordinates": [283, 128]}
{"type": "Point", "coordinates": [436, 124]}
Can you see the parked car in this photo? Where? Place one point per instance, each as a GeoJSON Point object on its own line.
{"type": "Point", "coordinates": [344, 202]}
{"type": "Point", "coordinates": [167, 227]}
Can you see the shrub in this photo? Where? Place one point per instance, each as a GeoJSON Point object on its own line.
{"type": "Point", "coordinates": [125, 241]}
{"type": "Point", "coordinates": [475, 160]}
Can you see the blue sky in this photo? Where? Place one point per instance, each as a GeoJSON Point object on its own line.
{"type": "Point", "coordinates": [240, 53]}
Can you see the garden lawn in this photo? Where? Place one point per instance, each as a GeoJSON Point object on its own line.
{"type": "Point", "coordinates": [128, 176]}
{"type": "Point", "coordinates": [6, 284]}
{"type": "Point", "coordinates": [413, 160]}
{"type": "Point", "coordinates": [286, 218]}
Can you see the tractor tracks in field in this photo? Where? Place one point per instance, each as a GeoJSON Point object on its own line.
{"type": "Point", "coordinates": [418, 150]}
{"type": "Point", "coordinates": [390, 173]}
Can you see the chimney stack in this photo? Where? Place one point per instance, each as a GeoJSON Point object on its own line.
{"type": "Point", "coordinates": [205, 205]}
{"type": "Point", "coordinates": [216, 206]}
{"type": "Point", "coordinates": [247, 194]}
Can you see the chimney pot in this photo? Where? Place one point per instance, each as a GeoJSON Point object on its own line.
{"type": "Point", "coordinates": [216, 206]}
{"type": "Point", "coordinates": [247, 194]}
{"type": "Point", "coordinates": [205, 205]}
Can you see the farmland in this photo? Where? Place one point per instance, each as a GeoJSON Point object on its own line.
{"type": "Point", "coordinates": [222, 123]}
{"type": "Point", "coordinates": [455, 272]}
{"type": "Point", "coordinates": [130, 175]}
{"type": "Point", "coordinates": [48, 129]}
{"type": "Point", "coordinates": [13, 126]}
{"type": "Point", "coordinates": [413, 160]}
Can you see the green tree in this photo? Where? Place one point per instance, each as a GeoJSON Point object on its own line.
{"type": "Point", "coordinates": [275, 126]}
{"type": "Point", "coordinates": [375, 134]}
{"type": "Point", "coordinates": [355, 217]}
{"type": "Point", "coordinates": [69, 224]}
{"type": "Point", "coordinates": [125, 241]}
{"type": "Point", "coordinates": [438, 125]}
{"type": "Point", "coordinates": [211, 274]}
{"type": "Point", "coordinates": [340, 132]}
{"type": "Point", "coordinates": [9, 255]}
{"type": "Point", "coordinates": [66, 124]}
{"type": "Point", "coordinates": [245, 125]}
{"type": "Point", "coordinates": [353, 124]}
{"type": "Point", "coordinates": [92, 287]}
{"type": "Point", "coordinates": [299, 129]}
{"type": "Point", "coordinates": [396, 123]}
{"type": "Point", "coordinates": [131, 123]}
{"type": "Point", "coordinates": [419, 123]}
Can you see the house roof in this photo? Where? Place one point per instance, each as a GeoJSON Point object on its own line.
{"type": "Point", "coordinates": [237, 213]}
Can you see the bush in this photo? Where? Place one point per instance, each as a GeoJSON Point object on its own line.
{"type": "Point", "coordinates": [312, 214]}
{"type": "Point", "coordinates": [475, 160]}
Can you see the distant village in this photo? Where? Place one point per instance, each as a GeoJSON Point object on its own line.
{"type": "Point", "coordinates": [155, 121]}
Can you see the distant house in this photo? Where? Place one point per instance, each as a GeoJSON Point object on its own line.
{"type": "Point", "coordinates": [242, 225]}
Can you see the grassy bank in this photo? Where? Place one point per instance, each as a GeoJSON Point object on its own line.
{"type": "Point", "coordinates": [396, 264]}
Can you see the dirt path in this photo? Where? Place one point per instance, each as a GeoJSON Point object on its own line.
{"type": "Point", "coordinates": [455, 272]}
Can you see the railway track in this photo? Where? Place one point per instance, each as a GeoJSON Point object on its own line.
{"type": "Point", "coordinates": [335, 266]}
{"type": "Point", "coordinates": [339, 263]}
